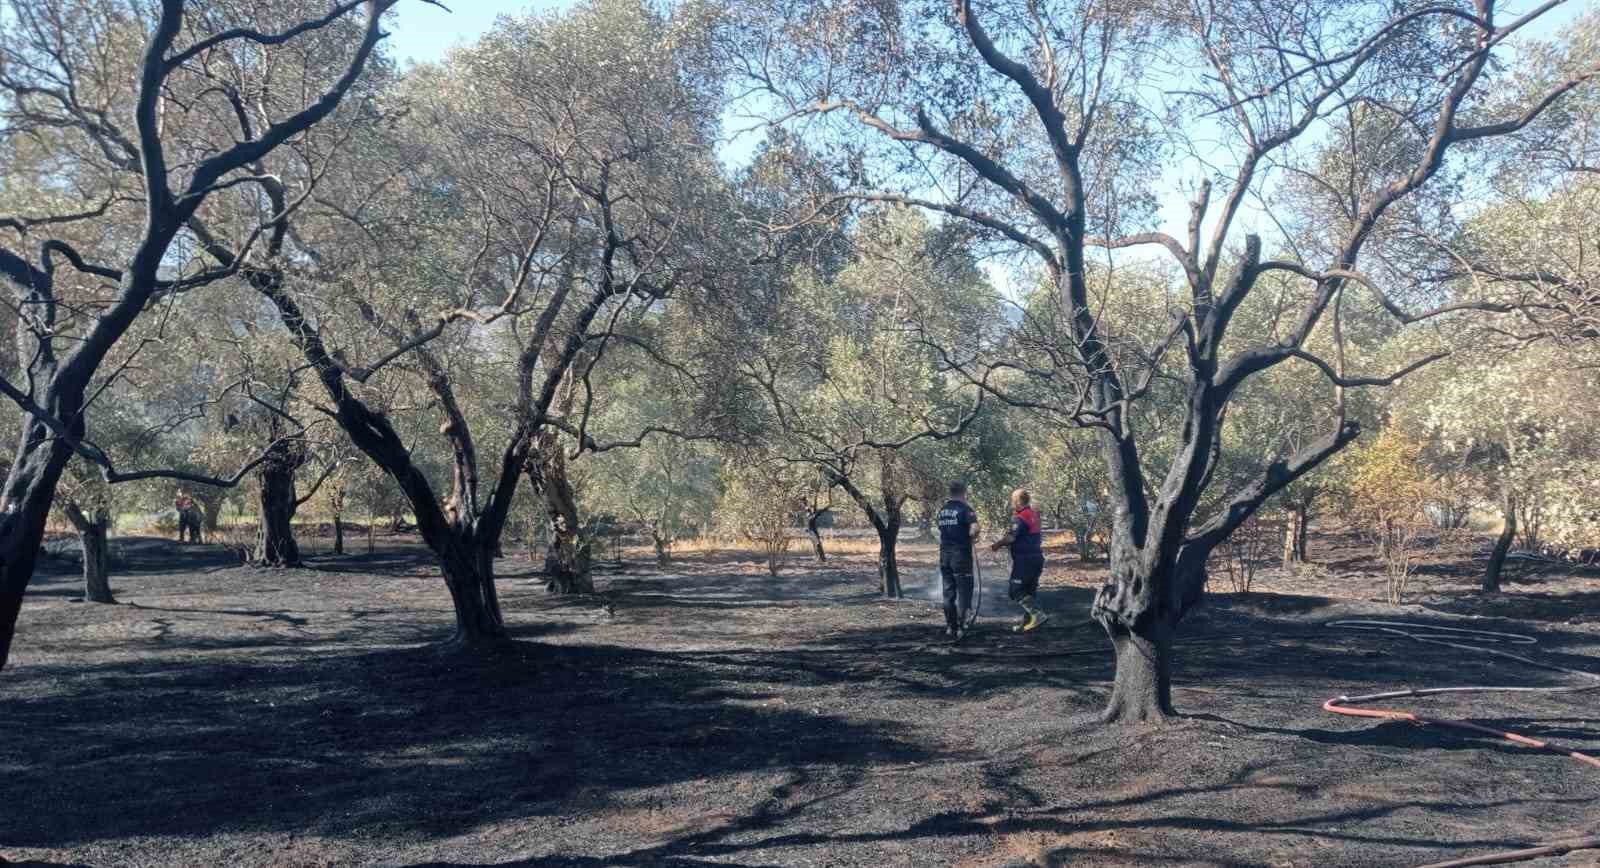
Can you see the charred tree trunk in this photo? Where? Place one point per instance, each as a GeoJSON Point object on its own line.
{"type": "Point", "coordinates": [663, 547]}
{"type": "Point", "coordinates": [567, 560]}
{"type": "Point", "coordinates": [275, 543]}
{"type": "Point", "coordinates": [814, 532]}
{"type": "Point", "coordinates": [886, 523]}
{"type": "Point", "coordinates": [888, 565]}
{"type": "Point", "coordinates": [336, 497]}
{"type": "Point", "coordinates": [93, 538]}
{"type": "Point", "coordinates": [468, 567]}
{"type": "Point", "coordinates": [1502, 544]}
{"type": "Point", "coordinates": [25, 508]}
{"type": "Point", "coordinates": [1139, 616]}
{"type": "Point", "coordinates": [1142, 691]}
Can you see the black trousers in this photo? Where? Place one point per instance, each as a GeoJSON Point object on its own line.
{"type": "Point", "coordinates": [955, 573]}
{"type": "Point", "coordinates": [1025, 572]}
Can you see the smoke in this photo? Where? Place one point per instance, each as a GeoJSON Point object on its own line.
{"type": "Point", "coordinates": [991, 585]}
{"type": "Point", "coordinates": [932, 586]}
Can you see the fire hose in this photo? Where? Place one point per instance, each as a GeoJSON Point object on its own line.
{"type": "Point", "coordinates": [1479, 641]}
{"type": "Point", "coordinates": [977, 589]}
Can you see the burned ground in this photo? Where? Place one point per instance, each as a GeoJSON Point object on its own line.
{"type": "Point", "coordinates": [711, 714]}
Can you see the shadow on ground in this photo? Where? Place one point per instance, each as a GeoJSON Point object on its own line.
{"type": "Point", "coordinates": [724, 718]}
{"type": "Point", "coordinates": [395, 738]}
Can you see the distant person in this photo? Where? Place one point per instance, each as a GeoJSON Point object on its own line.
{"type": "Point", "coordinates": [1026, 541]}
{"type": "Point", "coordinates": [958, 531]}
{"type": "Point", "coordinates": [188, 517]}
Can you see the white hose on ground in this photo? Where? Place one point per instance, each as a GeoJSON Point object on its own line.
{"type": "Point", "coordinates": [1462, 638]}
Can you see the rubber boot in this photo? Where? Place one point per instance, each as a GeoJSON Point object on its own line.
{"type": "Point", "coordinates": [1027, 615]}
{"type": "Point", "coordinates": [1035, 616]}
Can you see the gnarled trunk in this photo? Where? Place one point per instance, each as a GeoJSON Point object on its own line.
{"type": "Point", "coordinates": [210, 509]}
{"type": "Point", "coordinates": [1142, 691]}
{"type": "Point", "coordinates": [888, 565]}
{"type": "Point", "coordinates": [275, 543]}
{"type": "Point", "coordinates": [1140, 607]}
{"type": "Point", "coordinates": [663, 547]}
{"type": "Point", "coordinates": [468, 567]}
{"type": "Point", "coordinates": [25, 507]}
{"type": "Point", "coordinates": [1502, 544]}
{"type": "Point", "coordinates": [814, 532]}
{"type": "Point", "coordinates": [567, 561]}
{"type": "Point", "coordinates": [94, 539]}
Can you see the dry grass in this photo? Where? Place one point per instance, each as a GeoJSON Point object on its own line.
{"type": "Point", "coordinates": [854, 544]}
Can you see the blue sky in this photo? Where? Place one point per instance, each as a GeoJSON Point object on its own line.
{"type": "Point", "coordinates": [422, 32]}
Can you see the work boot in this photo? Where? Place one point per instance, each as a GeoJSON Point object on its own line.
{"type": "Point", "coordinates": [1035, 618]}
{"type": "Point", "coordinates": [1026, 603]}
{"type": "Point", "coordinates": [949, 632]}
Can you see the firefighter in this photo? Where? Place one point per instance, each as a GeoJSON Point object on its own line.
{"type": "Point", "coordinates": [958, 532]}
{"type": "Point", "coordinates": [1027, 559]}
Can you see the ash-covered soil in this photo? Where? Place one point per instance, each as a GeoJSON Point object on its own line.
{"type": "Point", "coordinates": [708, 714]}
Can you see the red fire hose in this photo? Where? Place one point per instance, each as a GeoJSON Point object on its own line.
{"type": "Point", "coordinates": [1462, 638]}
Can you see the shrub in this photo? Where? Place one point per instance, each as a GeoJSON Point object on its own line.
{"type": "Point", "coordinates": [1390, 496]}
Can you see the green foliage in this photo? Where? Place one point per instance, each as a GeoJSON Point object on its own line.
{"type": "Point", "coordinates": [761, 502]}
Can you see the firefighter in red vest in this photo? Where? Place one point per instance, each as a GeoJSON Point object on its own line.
{"type": "Point", "coordinates": [1027, 559]}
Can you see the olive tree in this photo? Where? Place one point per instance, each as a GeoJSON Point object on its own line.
{"type": "Point", "coordinates": [842, 385]}
{"type": "Point", "coordinates": [1042, 125]}
{"type": "Point", "coordinates": [560, 177]}
{"type": "Point", "coordinates": [141, 139]}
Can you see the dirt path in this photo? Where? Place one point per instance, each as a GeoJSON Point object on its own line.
{"type": "Point", "coordinates": [714, 715]}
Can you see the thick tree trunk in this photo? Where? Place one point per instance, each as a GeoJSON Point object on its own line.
{"type": "Point", "coordinates": [888, 565]}
{"type": "Point", "coordinates": [94, 539]}
{"type": "Point", "coordinates": [211, 510]}
{"type": "Point", "coordinates": [96, 564]}
{"type": "Point", "coordinates": [275, 543]}
{"type": "Point", "coordinates": [338, 534]}
{"type": "Point", "coordinates": [815, 534]}
{"type": "Point", "coordinates": [468, 569]}
{"type": "Point", "coordinates": [1142, 691]}
{"type": "Point", "coordinates": [1140, 613]}
{"type": "Point", "coordinates": [1502, 545]}
{"type": "Point", "coordinates": [25, 506]}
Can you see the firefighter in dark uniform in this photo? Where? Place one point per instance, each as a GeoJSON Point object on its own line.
{"type": "Point", "coordinates": [1027, 559]}
{"type": "Point", "coordinates": [958, 530]}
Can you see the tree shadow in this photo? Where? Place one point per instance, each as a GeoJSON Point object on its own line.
{"type": "Point", "coordinates": [1170, 830]}
{"type": "Point", "coordinates": [388, 738]}
{"type": "Point", "coordinates": [317, 735]}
